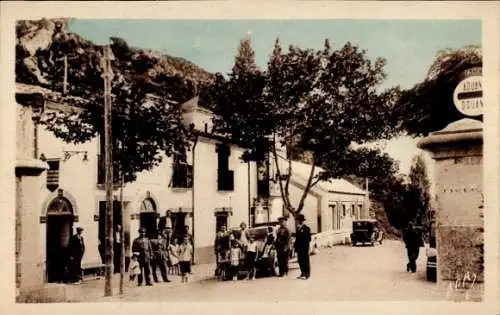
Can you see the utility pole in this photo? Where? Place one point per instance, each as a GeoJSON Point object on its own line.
{"type": "Point", "coordinates": [122, 231]}
{"type": "Point", "coordinates": [108, 164]}
{"type": "Point", "coordinates": [367, 199]}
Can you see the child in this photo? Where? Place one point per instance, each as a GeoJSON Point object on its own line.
{"type": "Point", "coordinates": [173, 253]}
{"type": "Point", "coordinates": [133, 268]}
{"type": "Point", "coordinates": [235, 256]}
{"type": "Point", "coordinates": [266, 254]}
{"type": "Point", "coordinates": [251, 257]}
{"type": "Point", "coordinates": [185, 254]}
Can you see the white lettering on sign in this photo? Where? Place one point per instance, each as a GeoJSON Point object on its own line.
{"type": "Point", "coordinates": [468, 96]}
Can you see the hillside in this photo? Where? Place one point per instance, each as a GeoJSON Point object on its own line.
{"type": "Point", "coordinates": [42, 44]}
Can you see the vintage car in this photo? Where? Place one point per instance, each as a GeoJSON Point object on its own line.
{"type": "Point", "coordinates": [365, 231]}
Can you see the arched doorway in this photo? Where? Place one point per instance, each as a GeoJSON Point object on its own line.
{"type": "Point", "coordinates": [148, 217]}
{"type": "Point", "coordinates": [60, 220]}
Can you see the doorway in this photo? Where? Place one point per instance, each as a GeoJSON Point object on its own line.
{"type": "Point", "coordinates": [178, 224]}
{"type": "Point", "coordinates": [221, 219]}
{"type": "Point", "coordinates": [60, 220]}
{"type": "Point", "coordinates": [148, 216]}
{"type": "Point", "coordinates": [117, 219]}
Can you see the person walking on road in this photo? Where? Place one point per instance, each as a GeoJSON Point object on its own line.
{"type": "Point", "coordinates": [142, 247]}
{"type": "Point", "coordinates": [413, 241]}
{"type": "Point", "coordinates": [302, 241]}
{"type": "Point", "coordinates": [282, 245]}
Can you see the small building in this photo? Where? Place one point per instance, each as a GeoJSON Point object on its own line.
{"type": "Point", "coordinates": [329, 208]}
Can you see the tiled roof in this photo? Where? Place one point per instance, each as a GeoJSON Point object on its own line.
{"type": "Point", "coordinates": [300, 172]}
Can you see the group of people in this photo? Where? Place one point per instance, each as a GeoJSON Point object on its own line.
{"type": "Point", "coordinates": [163, 252]}
{"type": "Point", "coordinates": [236, 252]}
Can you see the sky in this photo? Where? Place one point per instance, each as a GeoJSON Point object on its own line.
{"type": "Point", "coordinates": [409, 46]}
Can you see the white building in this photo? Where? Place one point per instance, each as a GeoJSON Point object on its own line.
{"type": "Point", "coordinates": [215, 188]}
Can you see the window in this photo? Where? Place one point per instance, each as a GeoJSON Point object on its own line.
{"type": "Point", "coordinates": [344, 208]}
{"type": "Point", "coordinates": [225, 176]}
{"type": "Point", "coordinates": [360, 210]}
{"type": "Point", "coordinates": [263, 178]}
{"type": "Point", "coordinates": [182, 174]}
{"type": "Point", "coordinates": [352, 211]}
{"type": "Point", "coordinates": [53, 175]}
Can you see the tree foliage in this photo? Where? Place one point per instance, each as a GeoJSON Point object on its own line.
{"type": "Point", "coordinates": [146, 88]}
{"type": "Point", "coordinates": [314, 101]}
{"type": "Point", "coordinates": [428, 106]}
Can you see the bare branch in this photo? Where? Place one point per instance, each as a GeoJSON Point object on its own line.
{"type": "Point", "coordinates": [307, 188]}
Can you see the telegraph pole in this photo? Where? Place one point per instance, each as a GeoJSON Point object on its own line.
{"type": "Point", "coordinates": [367, 199]}
{"type": "Point", "coordinates": [108, 164]}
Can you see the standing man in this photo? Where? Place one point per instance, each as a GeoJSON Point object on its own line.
{"type": "Point", "coordinates": [142, 247]}
{"type": "Point", "coordinates": [160, 257]}
{"type": "Point", "coordinates": [77, 250]}
{"type": "Point", "coordinates": [282, 244]}
{"type": "Point", "coordinates": [302, 240]}
{"type": "Point", "coordinates": [117, 248]}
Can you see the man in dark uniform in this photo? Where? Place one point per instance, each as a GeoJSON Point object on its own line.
{"type": "Point", "coordinates": [282, 244]}
{"type": "Point", "coordinates": [142, 247]}
{"type": "Point", "coordinates": [117, 248]}
{"type": "Point", "coordinates": [76, 250]}
{"type": "Point", "coordinates": [159, 259]}
{"type": "Point", "coordinates": [302, 240]}
{"type": "Point", "coordinates": [413, 241]}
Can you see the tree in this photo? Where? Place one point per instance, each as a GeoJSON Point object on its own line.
{"type": "Point", "coordinates": [428, 106]}
{"type": "Point", "coordinates": [419, 190]}
{"type": "Point", "coordinates": [147, 88]}
{"type": "Point", "coordinates": [319, 102]}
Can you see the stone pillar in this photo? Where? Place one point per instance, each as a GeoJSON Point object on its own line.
{"type": "Point", "coordinates": [30, 270]}
{"type": "Point", "coordinates": [457, 151]}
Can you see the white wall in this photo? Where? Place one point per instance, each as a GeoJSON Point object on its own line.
{"type": "Point", "coordinates": [208, 199]}
{"type": "Point", "coordinates": [310, 209]}
{"type": "Point", "coordinates": [79, 179]}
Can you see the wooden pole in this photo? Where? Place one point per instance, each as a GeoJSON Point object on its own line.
{"type": "Point", "coordinates": [65, 82]}
{"type": "Point", "coordinates": [122, 234]}
{"type": "Point", "coordinates": [108, 163]}
{"type": "Point", "coordinates": [367, 201]}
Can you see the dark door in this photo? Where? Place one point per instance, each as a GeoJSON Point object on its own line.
{"type": "Point", "coordinates": [148, 217]}
{"type": "Point", "coordinates": [59, 231]}
{"type": "Point", "coordinates": [221, 219]}
{"type": "Point", "coordinates": [178, 224]}
{"type": "Point", "coordinates": [148, 221]}
{"type": "Point", "coordinates": [117, 219]}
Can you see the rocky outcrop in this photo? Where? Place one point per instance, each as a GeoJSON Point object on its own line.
{"type": "Point", "coordinates": [42, 46]}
